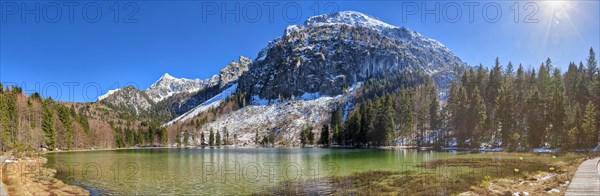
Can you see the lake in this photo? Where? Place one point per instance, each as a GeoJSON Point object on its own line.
{"type": "Point", "coordinates": [226, 171]}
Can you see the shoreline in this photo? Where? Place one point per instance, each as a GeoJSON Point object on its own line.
{"type": "Point", "coordinates": [67, 189]}
{"type": "Point", "coordinates": [3, 190]}
{"type": "Point", "coordinates": [32, 177]}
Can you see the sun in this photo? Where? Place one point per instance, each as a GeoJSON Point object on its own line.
{"type": "Point", "coordinates": [556, 5]}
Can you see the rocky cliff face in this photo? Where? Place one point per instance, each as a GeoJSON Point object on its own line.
{"type": "Point", "coordinates": [330, 52]}
{"type": "Point", "coordinates": [233, 71]}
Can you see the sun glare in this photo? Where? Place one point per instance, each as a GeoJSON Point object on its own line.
{"type": "Point", "coordinates": [556, 4]}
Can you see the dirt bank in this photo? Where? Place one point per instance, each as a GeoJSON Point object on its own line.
{"type": "Point", "coordinates": [28, 176]}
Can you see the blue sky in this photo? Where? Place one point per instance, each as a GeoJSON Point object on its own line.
{"type": "Point", "coordinates": [75, 54]}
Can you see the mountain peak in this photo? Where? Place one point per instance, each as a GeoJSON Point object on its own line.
{"type": "Point", "coordinates": [167, 76]}
{"type": "Point", "coordinates": [352, 18]}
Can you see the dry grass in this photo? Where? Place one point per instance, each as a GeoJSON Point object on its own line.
{"type": "Point", "coordinates": [28, 177]}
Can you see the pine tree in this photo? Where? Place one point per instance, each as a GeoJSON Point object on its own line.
{"type": "Point", "coordinates": [365, 124]}
{"type": "Point", "coordinates": [457, 108]}
{"type": "Point", "coordinates": [48, 126]}
{"type": "Point", "coordinates": [478, 111]}
{"type": "Point", "coordinates": [65, 119]}
{"type": "Point", "coordinates": [324, 138]}
{"type": "Point", "coordinates": [574, 121]}
{"type": "Point", "coordinates": [256, 138]}
{"type": "Point", "coordinates": [570, 82]}
{"type": "Point", "coordinates": [557, 110]}
{"type": "Point", "coordinates": [218, 139]}
{"type": "Point", "coordinates": [5, 141]}
{"type": "Point", "coordinates": [506, 115]}
{"type": "Point", "coordinates": [311, 137]}
{"type": "Point", "coordinates": [130, 137]}
{"type": "Point", "coordinates": [390, 123]}
{"type": "Point", "coordinates": [10, 100]}
{"type": "Point", "coordinates": [535, 120]}
{"type": "Point", "coordinates": [592, 64]}
{"type": "Point", "coordinates": [178, 139]}
{"type": "Point", "coordinates": [353, 129]}
{"type": "Point", "coordinates": [589, 126]}
{"type": "Point", "coordinates": [336, 125]}
{"type": "Point", "coordinates": [305, 136]}
{"type": "Point", "coordinates": [405, 117]}
{"type": "Point", "coordinates": [211, 138]}
{"type": "Point", "coordinates": [434, 105]}
{"type": "Point", "coordinates": [186, 138]}
{"type": "Point", "coordinates": [508, 73]}
{"type": "Point", "coordinates": [226, 138]}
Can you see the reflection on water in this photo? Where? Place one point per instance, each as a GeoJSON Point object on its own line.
{"type": "Point", "coordinates": [219, 170]}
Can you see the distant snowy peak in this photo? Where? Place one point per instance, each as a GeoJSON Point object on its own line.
{"type": "Point", "coordinates": [168, 85]}
{"type": "Point", "coordinates": [351, 18]}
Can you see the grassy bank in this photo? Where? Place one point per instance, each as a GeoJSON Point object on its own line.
{"type": "Point", "coordinates": [472, 174]}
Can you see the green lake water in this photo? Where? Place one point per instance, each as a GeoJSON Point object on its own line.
{"type": "Point", "coordinates": [219, 171]}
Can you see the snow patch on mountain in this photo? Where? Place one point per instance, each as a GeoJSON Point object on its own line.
{"type": "Point", "coordinates": [351, 18]}
{"type": "Point", "coordinates": [110, 92]}
{"type": "Point", "coordinates": [168, 85]}
{"type": "Point", "coordinates": [208, 104]}
{"type": "Point", "coordinates": [286, 118]}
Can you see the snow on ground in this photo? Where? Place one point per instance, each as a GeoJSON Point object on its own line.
{"type": "Point", "coordinates": [287, 118]}
{"type": "Point", "coordinates": [208, 104]}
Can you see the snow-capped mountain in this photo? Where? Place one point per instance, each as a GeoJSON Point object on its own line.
{"type": "Point", "coordinates": [175, 95]}
{"type": "Point", "coordinates": [168, 85]}
{"type": "Point", "coordinates": [332, 51]}
{"type": "Point", "coordinates": [351, 18]}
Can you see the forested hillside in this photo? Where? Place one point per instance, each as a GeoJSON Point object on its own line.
{"type": "Point", "coordinates": [32, 122]}
{"type": "Point", "coordinates": [526, 108]}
